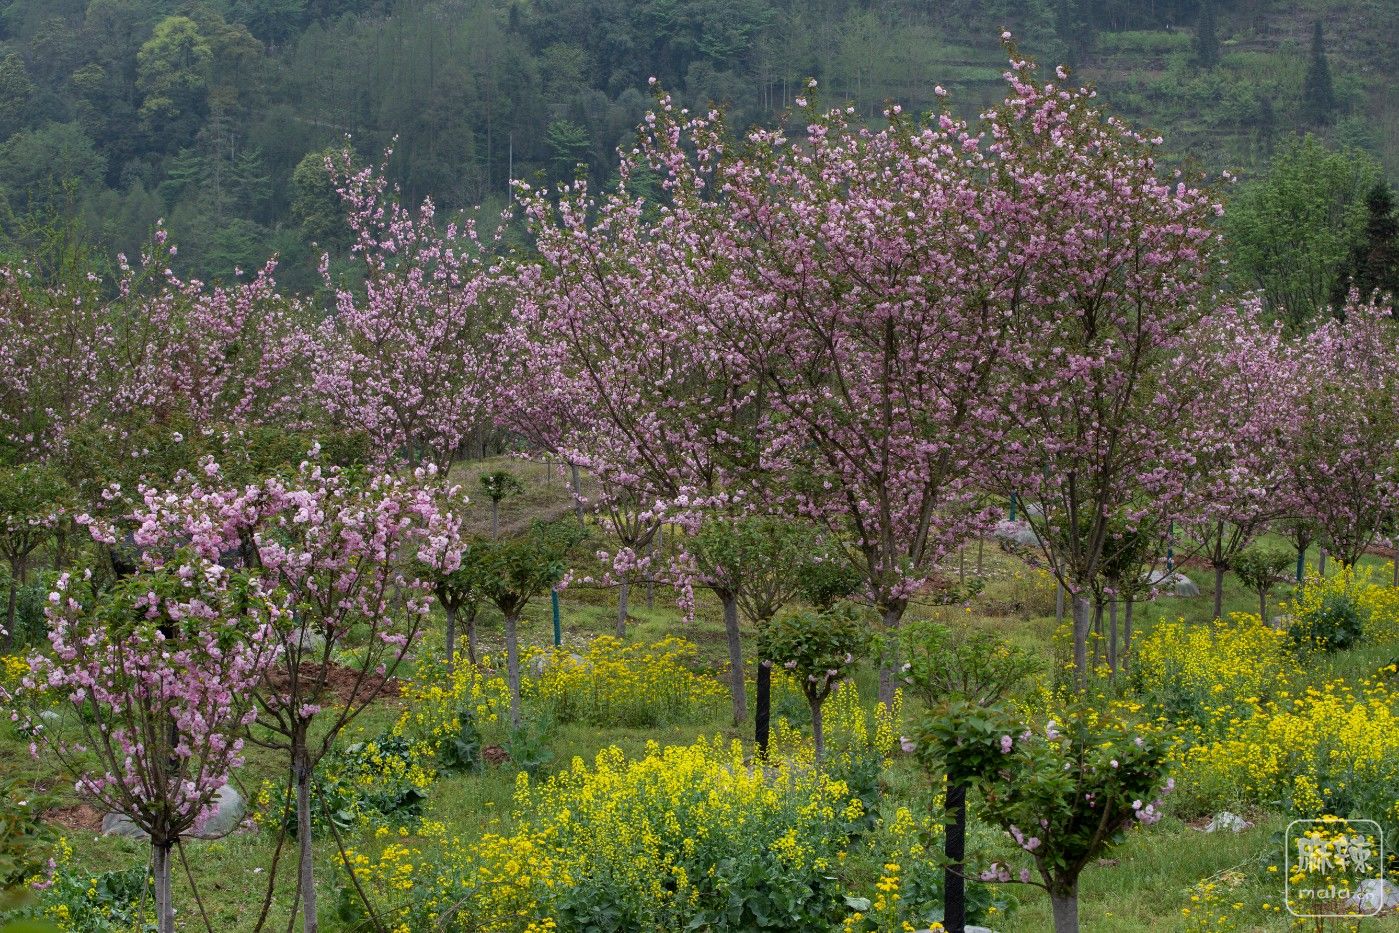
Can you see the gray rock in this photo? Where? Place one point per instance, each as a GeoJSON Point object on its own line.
{"type": "Point", "coordinates": [1186, 586]}
{"type": "Point", "coordinates": [228, 812]}
{"type": "Point", "coordinates": [119, 824]}
{"type": "Point", "coordinates": [51, 717]}
{"type": "Point", "coordinates": [1172, 580]}
{"type": "Point", "coordinates": [312, 643]}
{"type": "Point", "coordinates": [1224, 821]}
{"type": "Point", "coordinates": [1374, 896]}
{"type": "Point", "coordinates": [1019, 534]}
{"type": "Point", "coordinates": [540, 663]}
{"type": "Point", "coordinates": [1282, 622]}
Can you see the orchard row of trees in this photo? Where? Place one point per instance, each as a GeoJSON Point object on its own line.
{"type": "Point", "coordinates": [837, 355]}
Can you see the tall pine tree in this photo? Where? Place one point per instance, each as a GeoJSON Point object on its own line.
{"type": "Point", "coordinates": [1206, 37]}
{"type": "Point", "coordinates": [1373, 263]}
{"type": "Point", "coordinates": [1318, 96]}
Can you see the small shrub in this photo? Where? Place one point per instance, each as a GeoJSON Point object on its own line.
{"type": "Point", "coordinates": [1334, 625]}
{"type": "Point", "coordinates": [634, 685]}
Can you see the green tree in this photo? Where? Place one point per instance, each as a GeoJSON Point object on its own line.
{"type": "Point", "coordinates": [1206, 37]}
{"type": "Point", "coordinates": [16, 95]}
{"type": "Point", "coordinates": [1289, 232]}
{"type": "Point", "coordinates": [1261, 569]}
{"type": "Point", "coordinates": [1373, 264]}
{"type": "Point", "coordinates": [512, 572]}
{"type": "Point", "coordinates": [32, 499]}
{"type": "Point", "coordinates": [173, 76]}
{"type": "Point", "coordinates": [820, 649]}
{"type": "Point", "coordinates": [568, 145]}
{"type": "Point", "coordinates": [1318, 96]}
{"type": "Point", "coordinates": [315, 206]}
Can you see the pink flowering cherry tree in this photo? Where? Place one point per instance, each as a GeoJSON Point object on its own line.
{"type": "Point", "coordinates": [1239, 478]}
{"type": "Point", "coordinates": [871, 295]}
{"type": "Point", "coordinates": [409, 356]}
{"type": "Point", "coordinates": [335, 553]}
{"type": "Point", "coordinates": [1110, 306]}
{"type": "Point", "coordinates": [160, 671]}
{"type": "Point", "coordinates": [1344, 417]}
{"type": "Point", "coordinates": [625, 303]}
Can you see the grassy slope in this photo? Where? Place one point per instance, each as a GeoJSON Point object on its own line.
{"type": "Point", "coordinates": [1143, 890]}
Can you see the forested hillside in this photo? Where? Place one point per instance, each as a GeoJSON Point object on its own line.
{"type": "Point", "coordinates": [212, 114]}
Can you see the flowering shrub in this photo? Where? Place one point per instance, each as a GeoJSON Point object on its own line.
{"type": "Point", "coordinates": [78, 901]}
{"type": "Point", "coordinates": [1332, 612]}
{"type": "Point", "coordinates": [1065, 795]}
{"type": "Point", "coordinates": [1202, 677]}
{"type": "Point", "coordinates": [438, 695]}
{"type": "Point", "coordinates": [685, 837]}
{"type": "Point", "coordinates": [620, 684]}
{"type": "Point", "coordinates": [1333, 749]}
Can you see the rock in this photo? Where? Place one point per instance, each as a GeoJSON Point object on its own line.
{"type": "Point", "coordinates": [227, 813]}
{"type": "Point", "coordinates": [1281, 623]}
{"type": "Point", "coordinates": [51, 717]}
{"type": "Point", "coordinates": [1019, 534]}
{"type": "Point", "coordinates": [312, 644]}
{"type": "Point", "coordinates": [1185, 586]}
{"type": "Point", "coordinates": [1224, 821]}
{"type": "Point", "coordinates": [1172, 580]}
{"type": "Point", "coordinates": [540, 663]}
{"type": "Point", "coordinates": [1374, 896]}
{"type": "Point", "coordinates": [119, 824]}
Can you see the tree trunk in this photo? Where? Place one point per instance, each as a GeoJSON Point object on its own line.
{"type": "Point", "coordinates": [888, 670]}
{"type": "Point", "coordinates": [1301, 563]}
{"type": "Point", "coordinates": [737, 687]}
{"type": "Point", "coordinates": [471, 644]}
{"type": "Point", "coordinates": [1083, 621]}
{"type": "Point", "coordinates": [495, 519]}
{"type": "Point", "coordinates": [512, 665]}
{"type": "Point", "coordinates": [650, 577]}
{"type": "Point", "coordinates": [1065, 908]}
{"type": "Point", "coordinates": [310, 921]}
{"type": "Point", "coordinates": [451, 612]}
{"type": "Point", "coordinates": [980, 557]}
{"type": "Point", "coordinates": [10, 613]}
{"type": "Point", "coordinates": [1263, 606]}
{"type": "Point", "coordinates": [955, 846]}
{"type": "Point", "coordinates": [1127, 635]}
{"type": "Point", "coordinates": [762, 716]}
{"type": "Point", "coordinates": [1219, 590]}
{"type": "Point", "coordinates": [160, 869]}
{"type": "Point", "coordinates": [1097, 631]}
{"type": "Point", "coordinates": [1321, 561]}
{"type": "Point", "coordinates": [623, 595]}
{"type": "Point", "coordinates": [577, 495]}
{"type": "Point", "coordinates": [818, 737]}
{"type": "Point", "coordinates": [1058, 603]}
{"type": "Point", "coordinates": [1112, 637]}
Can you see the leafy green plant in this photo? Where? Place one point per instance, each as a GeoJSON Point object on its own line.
{"type": "Point", "coordinates": [528, 745]}
{"type": "Point", "coordinates": [462, 751]}
{"type": "Point", "coordinates": [819, 648]}
{"type": "Point", "coordinates": [1335, 625]}
{"type": "Point", "coordinates": [1261, 569]}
